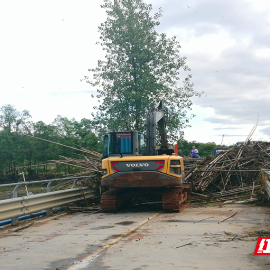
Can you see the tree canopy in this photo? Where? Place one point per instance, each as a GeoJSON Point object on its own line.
{"type": "Point", "coordinates": [141, 67]}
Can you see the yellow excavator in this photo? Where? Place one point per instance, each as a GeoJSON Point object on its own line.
{"type": "Point", "coordinates": [133, 166]}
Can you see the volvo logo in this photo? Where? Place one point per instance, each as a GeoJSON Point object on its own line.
{"type": "Point", "coordinates": [137, 165]}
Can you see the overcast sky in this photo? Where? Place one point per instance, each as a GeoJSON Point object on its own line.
{"type": "Point", "coordinates": [47, 47]}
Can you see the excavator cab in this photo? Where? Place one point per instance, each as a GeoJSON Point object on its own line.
{"type": "Point", "coordinates": [125, 143]}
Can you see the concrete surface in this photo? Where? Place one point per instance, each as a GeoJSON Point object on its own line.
{"type": "Point", "coordinates": [168, 241]}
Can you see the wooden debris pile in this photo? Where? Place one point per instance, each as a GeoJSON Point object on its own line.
{"type": "Point", "coordinates": [191, 162]}
{"type": "Point", "coordinates": [88, 161]}
{"type": "Point", "coordinates": [239, 167]}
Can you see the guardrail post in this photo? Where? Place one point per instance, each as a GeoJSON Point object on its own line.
{"type": "Point", "coordinates": [49, 212]}
{"type": "Point", "coordinates": [15, 220]}
{"type": "Point", "coordinates": [48, 189]}
{"type": "Point", "coordinates": [15, 191]}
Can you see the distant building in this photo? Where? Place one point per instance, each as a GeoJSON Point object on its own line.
{"type": "Point", "coordinates": [217, 151]}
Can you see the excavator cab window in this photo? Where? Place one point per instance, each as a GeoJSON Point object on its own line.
{"type": "Point", "coordinates": [122, 143]}
{"type": "Point", "coordinates": [117, 143]}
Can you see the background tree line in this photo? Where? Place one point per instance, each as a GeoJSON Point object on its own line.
{"type": "Point", "coordinates": [19, 152]}
{"type": "Point", "coordinates": [205, 149]}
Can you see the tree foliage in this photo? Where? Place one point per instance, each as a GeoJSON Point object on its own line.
{"type": "Point", "coordinates": [12, 120]}
{"type": "Point", "coordinates": [140, 68]}
{"type": "Point", "coordinates": [21, 153]}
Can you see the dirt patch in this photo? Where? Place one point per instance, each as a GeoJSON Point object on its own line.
{"type": "Point", "coordinates": [259, 233]}
{"type": "Point", "coordinates": [136, 237]}
{"type": "Point", "coordinates": [46, 239]}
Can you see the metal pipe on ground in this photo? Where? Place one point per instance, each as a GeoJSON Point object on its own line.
{"type": "Point", "coordinates": [9, 221]}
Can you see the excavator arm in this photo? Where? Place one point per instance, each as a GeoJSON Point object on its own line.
{"type": "Point", "coordinates": [155, 118]}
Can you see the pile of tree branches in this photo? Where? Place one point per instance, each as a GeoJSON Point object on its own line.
{"type": "Point", "coordinates": [88, 161]}
{"type": "Point", "coordinates": [239, 167]}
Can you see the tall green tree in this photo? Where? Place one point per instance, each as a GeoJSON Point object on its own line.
{"type": "Point", "coordinates": [141, 67]}
{"type": "Point", "coordinates": [12, 120]}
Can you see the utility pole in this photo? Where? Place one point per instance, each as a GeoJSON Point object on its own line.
{"type": "Point", "coordinates": [222, 139]}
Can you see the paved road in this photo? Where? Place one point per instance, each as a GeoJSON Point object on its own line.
{"type": "Point", "coordinates": [140, 241]}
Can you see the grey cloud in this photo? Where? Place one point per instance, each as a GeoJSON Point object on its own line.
{"type": "Point", "coordinates": [229, 127]}
{"type": "Point", "coordinates": [239, 112]}
{"type": "Point", "coordinates": [222, 121]}
{"type": "Point", "coordinates": [266, 131]}
{"type": "Point", "coordinates": [237, 83]}
{"type": "Point", "coordinates": [229, 135]}
{"type": "Point", "coordinates": [204, 16]}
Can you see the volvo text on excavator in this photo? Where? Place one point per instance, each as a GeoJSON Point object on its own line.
{"type": "Point", "coordinates": [132, 167]}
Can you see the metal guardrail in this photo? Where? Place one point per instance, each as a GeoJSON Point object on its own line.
{"type": "Point", "coordinates": [16, 207]}
{"type": "Point", "coordinates": [50, 182]}
{"type": "Point", "coordinates": [13, 208]}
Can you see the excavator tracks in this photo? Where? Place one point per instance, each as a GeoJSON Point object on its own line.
{"type": "Point", "coordinates": [109, 201]}
{"type": "Point", "coordinates": [175, 199]}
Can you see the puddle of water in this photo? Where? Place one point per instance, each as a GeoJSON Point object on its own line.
{"type": "Point", "coordinates": [114, 236]}
{"type": "Point", "coordinates": [179, 220]}
{"type": "Point", "coordinates": [102, 227]}
{"type": "Point", "coordinates": [125, 223]}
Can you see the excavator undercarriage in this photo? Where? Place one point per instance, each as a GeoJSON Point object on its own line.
{"type": "Point", "coordinates": [173, 199]}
